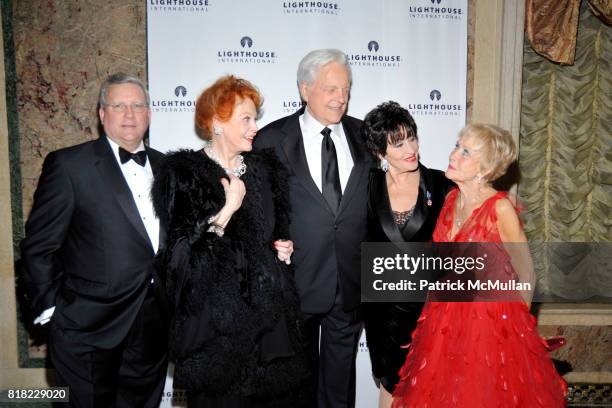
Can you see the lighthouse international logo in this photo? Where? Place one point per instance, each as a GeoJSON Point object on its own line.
{"type": "Point", "coordinates": [193, 6]}
{"type": "Point", "coordinates": [174, 397]}
{"type": "Point", "coordinates": [363, 346]}
{"type": "Point", "coordinates": [435, 104]}
{"type": "Point", "coordinates": [180, 91]}
{"type": "Point", "coordinates": [435, 10]}
{"type": "Point", "coordinates": [177, 101]}
{"type": "Point", "coordinates": [311, 7]}
{"type": "Point", "coordinates": [248, 51]}
{"type": "Point", "coordinates": [374, 55]}
{"type": "Point", "coordinates": [292, 105]}
{"type": "Point", "coordinates": [246, 42]}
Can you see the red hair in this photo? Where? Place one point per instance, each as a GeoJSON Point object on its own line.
{"type": "Point", "coordinates": [219, 99]}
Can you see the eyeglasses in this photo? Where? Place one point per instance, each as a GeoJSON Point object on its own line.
{"type": "Point", "coordinates": [137, 107]}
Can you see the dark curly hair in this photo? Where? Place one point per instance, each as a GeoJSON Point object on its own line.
{"type": "Point", "coordinates": [387, 123]}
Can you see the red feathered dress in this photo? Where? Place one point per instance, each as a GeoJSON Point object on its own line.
{"type": "Point", "coordinates": [477, 354]}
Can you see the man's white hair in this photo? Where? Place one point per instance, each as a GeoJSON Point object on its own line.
{"type": "Point", "coordinates": [313, 61]}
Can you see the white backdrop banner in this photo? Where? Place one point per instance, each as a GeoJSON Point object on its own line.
{"type": "Point", "coordinates": [410, 51]}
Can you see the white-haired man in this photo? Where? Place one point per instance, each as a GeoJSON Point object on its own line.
{"type": "Point", "coordinates": [328, 165]}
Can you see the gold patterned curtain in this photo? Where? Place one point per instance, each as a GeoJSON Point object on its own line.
{"type": "Point", "coordinates": [602, 9]}
{"type": "Point", "coordinates": [552, 25]}
{"type": "Point", "coordinates": [566, 162]}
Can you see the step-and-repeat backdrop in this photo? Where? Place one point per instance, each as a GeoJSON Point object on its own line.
{"type": "Point", "coordinates": [410, 51]}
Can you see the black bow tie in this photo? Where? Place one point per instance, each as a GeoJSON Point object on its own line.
{"type": "Point", "coordinates": [139, 157]}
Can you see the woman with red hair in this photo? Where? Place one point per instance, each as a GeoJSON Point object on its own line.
{"type": "Point", "coordinates": [235, 334]}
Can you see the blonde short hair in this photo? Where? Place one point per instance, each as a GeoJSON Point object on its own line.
{"type": "Point", "coordinates": [496, 146]}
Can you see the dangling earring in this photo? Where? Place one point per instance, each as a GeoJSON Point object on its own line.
{"type": "Point", "coordinates": [217, 130]}
{"type": "Point", "coordinates": [384, 165]}
{"type": "Point", "coordinates": [479, 179]}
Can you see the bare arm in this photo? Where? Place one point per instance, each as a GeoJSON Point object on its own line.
{"type": "Point", "coordinates": [515, 243]}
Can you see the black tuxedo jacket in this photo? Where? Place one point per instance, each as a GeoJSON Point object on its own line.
{"type": "Point", "coordinates": [86, 249]}
{"type": "Point", "coordinates": [327, 246]}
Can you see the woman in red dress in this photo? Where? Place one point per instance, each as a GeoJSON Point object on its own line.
{"type": "Point", "coordinates": [480, 353]}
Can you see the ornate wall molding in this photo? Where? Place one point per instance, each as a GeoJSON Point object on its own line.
{"type": "Point", "coordinates": [498, 60]}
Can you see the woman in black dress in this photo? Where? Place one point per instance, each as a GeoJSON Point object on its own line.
{"type": "Point", "coordinates": [235, 335]}
{"type": "Point", "coordinates": [405, 198]}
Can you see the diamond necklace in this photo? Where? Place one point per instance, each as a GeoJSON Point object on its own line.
{"type": "Point", "coordinates": [236, 171]}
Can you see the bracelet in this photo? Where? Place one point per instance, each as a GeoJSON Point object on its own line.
{"type": "Point", "coordinates": [215, 228]}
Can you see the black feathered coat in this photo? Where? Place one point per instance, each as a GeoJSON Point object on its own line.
{"type": "Point", "coordinates": [236, 324]}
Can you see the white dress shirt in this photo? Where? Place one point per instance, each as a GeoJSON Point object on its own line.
{"type": "Point", "coordinates": [139, 179]}
{"type": "Point", "coordinates": [311, 134]}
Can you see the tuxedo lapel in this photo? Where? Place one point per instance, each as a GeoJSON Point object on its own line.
{"type": "Point", "coordinates": [379, 197]}
{"type": "Point", "coordinates": [352, 134]}
{"type": "Point", "coordinates": [421, 208]}
{"type": "Point", "coordinates": [360, 164]}
{"type": "Point", "coordinates": [113, 179]}
{"type": "Point", "coordinates": [155, 159]}
{"type": "Point", "coordinates": [293, 146]}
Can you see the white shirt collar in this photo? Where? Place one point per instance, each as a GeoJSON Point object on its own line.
{"type": "Point", "coordinates": [314, 126]}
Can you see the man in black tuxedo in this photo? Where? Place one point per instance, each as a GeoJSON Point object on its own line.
{"type": "Point", "coordinates": [328, 168]}
{"type": "Point", "coordinates": [88, 257]}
